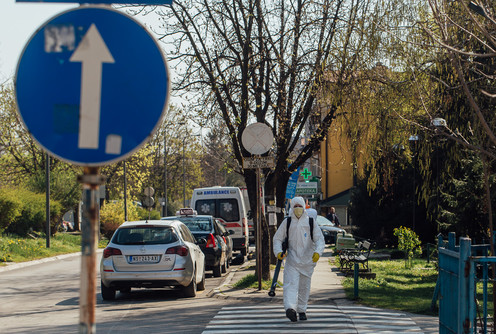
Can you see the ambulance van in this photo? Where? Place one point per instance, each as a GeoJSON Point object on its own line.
{"type": "Point", "coordinates": [227, 205]}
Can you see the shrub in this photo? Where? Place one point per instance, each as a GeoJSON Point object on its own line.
{"type": "Point", "coordinates": [143, 214]}
{"type": "Point", "coordinates": [10, 208]}
{"type": "Point", "coordinates": [109, 228]}
{"type": "Point", "coordinates": [112, 216]}
{"type": "Point", "coordinates": [408, 242]}
{"type": "Point", "coordinates": [28, 211]}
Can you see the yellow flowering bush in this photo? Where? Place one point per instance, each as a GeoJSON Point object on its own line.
{"type": "Point", "coordinates": [112, 216]}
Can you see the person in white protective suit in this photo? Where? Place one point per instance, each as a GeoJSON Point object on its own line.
{"type": "Point", "coordinates": [302, 255]}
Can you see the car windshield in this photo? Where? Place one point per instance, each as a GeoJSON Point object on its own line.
{"type": "Point", "coordinates": [197, 224]}
{"type": "Point", "coordinates": [225, 208]}
{"type": "Point", "coordinates": [144, 235]}
{"type": "Point", "coordinates": [323, 221]}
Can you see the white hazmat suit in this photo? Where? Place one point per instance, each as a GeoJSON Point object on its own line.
{"type": "Point", "coordinates": [299, 265]}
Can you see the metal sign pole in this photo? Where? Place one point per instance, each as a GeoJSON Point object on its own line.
{"type": "Point", "coordinates": [91, 180]}
{"type": "Point", "coordinates": [257, 138]}
{"type": "Point", "coordinates": [259, 234]}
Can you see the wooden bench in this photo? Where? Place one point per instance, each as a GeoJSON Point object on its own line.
{"type": "Point", "coordinates": [349, 256]}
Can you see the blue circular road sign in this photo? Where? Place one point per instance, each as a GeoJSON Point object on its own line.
{"type": "Point", "coordinates": [92, 86]}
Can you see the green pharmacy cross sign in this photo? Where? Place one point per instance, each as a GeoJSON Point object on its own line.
{"type": "Point", "coordinates": [306, 173]}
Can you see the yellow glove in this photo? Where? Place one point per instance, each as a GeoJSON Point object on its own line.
{"type": "Point", "coordinates": [315, 257]}
{"type": "Point", "coordinates": [281, 256]}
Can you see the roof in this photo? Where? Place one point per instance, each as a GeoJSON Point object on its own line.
{"type": "Point", "coordinates": [216, 188]}
{"type": "Point", "coordinates": [340, 199]}
{"type": "Point", "coordinates": [149, 222]}
{"type": "Point", "coordinates": [185, 216]}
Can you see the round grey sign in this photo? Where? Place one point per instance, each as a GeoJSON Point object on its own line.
{"type": "Point", "coordinates": [149, 191]}
{"type": "Point", "coordinates": [257, 138]}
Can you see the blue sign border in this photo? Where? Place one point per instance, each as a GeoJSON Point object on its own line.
{"type": "Point", "coordinates": [135, 90]}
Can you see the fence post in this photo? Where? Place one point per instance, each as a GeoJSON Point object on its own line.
{"type": "Point", "coordinates": [355, 281]}
{"type": "Point", "coordinates": [440, 244]}
{"type": "Point", "coordinates": [451, 241]}
{"type": "Point", "coordinates": [485, 276]}
{"type": "Point", "coordinates": [465, 295]}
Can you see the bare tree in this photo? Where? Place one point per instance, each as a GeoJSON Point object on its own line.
{"type": "Point", "coordinates": [267, 61]}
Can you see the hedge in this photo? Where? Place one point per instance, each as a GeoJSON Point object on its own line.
{"type": "Point", "coordinates": [22, 211]}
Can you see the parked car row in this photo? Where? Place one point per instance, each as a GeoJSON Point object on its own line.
{"type": "Point", "coordinates": [174, 251]}
{"type": "Point", "coordinates": [218, 245]}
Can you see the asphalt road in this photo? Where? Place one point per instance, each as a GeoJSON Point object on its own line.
{"type": "Point", "coordinates": [44, 298]}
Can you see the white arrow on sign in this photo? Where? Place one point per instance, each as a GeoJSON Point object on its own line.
{"type": "Point", "coordinates": [91, 53]}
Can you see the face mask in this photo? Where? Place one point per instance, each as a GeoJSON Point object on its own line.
{"type": "Point", "coordinates": [298, 212]}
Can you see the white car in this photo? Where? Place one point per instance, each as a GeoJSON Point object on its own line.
{"type": "Point", "coordinates": [152, 254]}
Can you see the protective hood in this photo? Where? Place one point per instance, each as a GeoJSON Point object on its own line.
{"type": "Point", "coordinates": [297, 211]}
{"type": "Point", "coordinates": [297, 200]}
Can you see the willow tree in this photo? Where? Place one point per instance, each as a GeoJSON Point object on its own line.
{"type": "Point", "coordinates": [266, 61]}
{"type": "Point", "coordinates": [465, 34]}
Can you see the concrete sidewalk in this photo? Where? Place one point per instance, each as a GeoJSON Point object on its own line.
{"type": "Point", "coordinates": [326, 289]}
{"type": "Point", "coordinates": [326, 283]}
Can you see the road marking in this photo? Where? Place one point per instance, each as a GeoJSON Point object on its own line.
{"type": "Point", "coordinates": [321, 319]}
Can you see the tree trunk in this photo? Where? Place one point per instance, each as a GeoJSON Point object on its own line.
{"type": "Point", "coordinates": [77, 214]}
{"type": "Point", "coordinates": [275, 189]}
{"type": "Point", "coordinates": [250, 180]}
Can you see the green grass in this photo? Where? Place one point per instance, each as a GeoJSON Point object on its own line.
{"type": "Point", "coordinates": [17, 249]}
{"type": "Point", "coordinates": [480, 299]}
{"type": "Point", "coordinates": [251, 281]}
{"type": "Point", "coordinates": [395, 287]}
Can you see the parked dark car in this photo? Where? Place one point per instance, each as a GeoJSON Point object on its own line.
{"type": "Point", "coordinates": [329, 231]}
{"type": "Point", "coordinates": [218, 247]}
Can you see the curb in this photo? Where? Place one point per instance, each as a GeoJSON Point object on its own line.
{"type": "Point", "coordinates": [216, 292]}
{"type": "Point", "coordinates": [19, 265]}
{"type": "Point", "coordinates": [223, 291]}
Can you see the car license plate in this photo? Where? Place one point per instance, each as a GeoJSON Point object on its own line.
{"type": "Point", "coordinates": [144, 258]}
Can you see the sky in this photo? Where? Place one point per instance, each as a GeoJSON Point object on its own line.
{"type": "Point", "coordinates": [18, 22]}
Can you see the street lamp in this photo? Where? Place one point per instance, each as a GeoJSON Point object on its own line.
{"type": "Point", "coordinates": [165, 168]}
{"type": "Point", "coordinates": [413, 142]}
{"type": "Point", "coordinates": [165, 172]}
{"type": "Point", "coordinates": [439, 124]}
{"type": "Point", "coordinates": [477, 9]}
{"type": "Point", "coordinates": [125, 192]}
{"type": "Point", "coordinates": [184, 174]}
{"type": "Point", "coordinates": [47, 185]}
